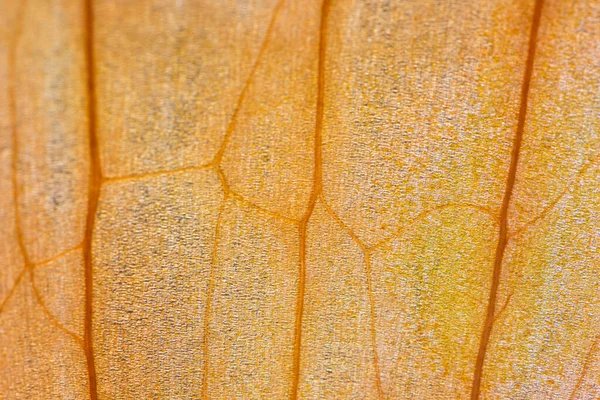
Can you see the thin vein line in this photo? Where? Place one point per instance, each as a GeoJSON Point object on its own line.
{"type": "Point", "coordinates": [157, 173]}
{"type": "Point", "coordinates": [373, 323]}
{"type": "Point", "coordinates": [274, 214]}
{"type": "Point", "coordinates": [503, 231]}
{"type": "Point", "coordinates": [36, 265]}
{"type": "Point", "coordinates": [586, 366]}
{"type": "Point", "coordinates": [499, 313]}
{"type": "Point", "coordinates": [554, 202]}
{"type": "Point", "coordinates": [95, 182]}
{"type": "Point", "coordinates": [315, 192]}
{"type": "Point", "coordinates": [233, 121]}
{"type": "Point", "coordinates": [12, 96]}
{"type": "Point", "coordinates": [13, 289]}
{"type": "Point", "coordinates": [424, 214]}
{"type": "Point", "coordinates": [234, 195]}
{"type": "Point", "coordinates": [223, 181]}
{"type": "Point", "coordinates": [12, 77]}
{"type": "Point", "coordinates": [216, 164]}
{"type": "Point", "coordinates": [367, 256]}
{"type": "Point", "coordinates": [51, 317]}
{"type": "Point", "coordinates": [58, 256]}
{"type": "Point", "coordinates": [12, 82]}
{"type": "Point", "coordinates": [209, 294]}
{"type": "Point", "coordinates": [345, 227]}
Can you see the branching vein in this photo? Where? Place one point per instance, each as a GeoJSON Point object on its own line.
{"type": "Point", "coordinates": [503, 229]}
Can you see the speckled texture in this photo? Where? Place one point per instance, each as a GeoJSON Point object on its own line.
{"type": "Point", "coordinates": [545, 344]}
{"type": "Point", "coordinates": [300, 199]}
{"type": "Point", "coordinates": [43, 190]}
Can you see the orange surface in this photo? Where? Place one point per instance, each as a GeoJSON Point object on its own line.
{"type": "Point", "coordinates": [286, 199]}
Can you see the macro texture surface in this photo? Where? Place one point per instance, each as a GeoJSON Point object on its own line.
{"type": "Point", "coordinates": [300, 199]}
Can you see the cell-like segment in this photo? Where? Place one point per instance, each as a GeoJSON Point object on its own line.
{"type": "Point", "coordinates": [431, 285]}
{"type": "Point", "coordinates": [151, 262]}
{"type": "Point", "coordinates": [545, 343]}
{"type": "Point", "coordinates": [562, 132]}
{"type": "Point", "coordinates": [269, 158]}
{"type": "Point", "coordinates": [169, 74]}
{"type": "Point", "coordinates": [337, 353]}
{"type": "Point", "coordinates": [253, 292]}
{"type": "Point", "coordinates": [43, 165]}
{"type": "Point", "coordinates": [61, 287]}
{"type": "Point", "coordinates": [51, 125]}
{"type": "Point", "coordinates": [38, 360]}
{"type": "Point", "coordinates": [421, 106]}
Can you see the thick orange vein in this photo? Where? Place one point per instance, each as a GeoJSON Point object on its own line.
{"type": "Point", "coordinates": [95, 181]}
{"type": "Point", "coordinates": [216, 164]}
{"type": "Point", "coordinates": [315, 193]}
{"type": "Point", "coordinates": [510, 183]}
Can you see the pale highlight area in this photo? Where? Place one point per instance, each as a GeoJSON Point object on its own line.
{"type": "Point", "coordinates": [152, 259]}
{"type": "Point", "coordinates": [169, 74]}
{"type": "Point", "coordinates": [51, 120]}
{"type": "Point", "coordinates": [544, 344]}
{"type": "Point", "coordinates": [337, 347]}
{"type": "Point", "coordinates": [251, 323]}
{"type": "Point", "coordinates": [421, 107]}
{"type": "Point", "coordinates": [269, 157]}
{"type": "Point", "coordinates": [430, 286]}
